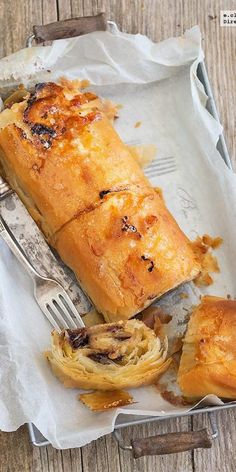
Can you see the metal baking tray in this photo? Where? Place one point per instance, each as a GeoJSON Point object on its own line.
{"type": "Point", "coordinates": [99, 22]}
{"type": "Point", "coordinates": [130, 420]}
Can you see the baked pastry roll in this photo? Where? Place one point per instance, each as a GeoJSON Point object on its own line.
{"type": "Point", "coordinates": [61, 154]}
{"type": "Point", "coordinates": [86, 191]}
{"type": "Point", "coordinates": [126, 252]}
{"type": "Point", "coordinates": [108, 356]}
{"type": "Point", "coordinates": [208, 361]}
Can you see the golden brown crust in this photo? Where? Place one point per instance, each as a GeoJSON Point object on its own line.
{"type": "Point", "coordinates": [208, 362]}
{"type": "Point", "coordinates": [82, 186]}
{"type": "Point", "coordinates": [64, 157]}
{"type": "Point", "coordinates": [135, 249]}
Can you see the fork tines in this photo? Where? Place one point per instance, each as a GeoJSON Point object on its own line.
{"type": "Point", "coordinates": [62, 312]}
{"type": "Point", "coordinates": [162, 166]}
{"type": "Point", "coordinates": [5, 190]}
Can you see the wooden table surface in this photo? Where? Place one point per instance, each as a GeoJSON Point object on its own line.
{"type": "Point", "coordinates": [159, 19]}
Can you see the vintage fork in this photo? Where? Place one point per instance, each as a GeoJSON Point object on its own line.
{"type": "Point", "coordinates": [161, 166]}
{"type": "Point", "coordinates": [5, 190]}
{"type": "Point", "coordinates": [158, 167]}
{"type": "Point", "coordinates": [49, 294]}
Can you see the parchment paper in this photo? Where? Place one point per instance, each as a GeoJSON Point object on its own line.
{"type": "Point", "coordinates": [157, 85]}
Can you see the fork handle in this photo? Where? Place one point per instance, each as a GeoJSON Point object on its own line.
{"type": "Point", "coordinates": [8, 237]}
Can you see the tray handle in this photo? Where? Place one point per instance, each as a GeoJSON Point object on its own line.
{"type": "Point", "coordinates": [68, 28]}
{"type": "Point", "coordinates": [170, 443]}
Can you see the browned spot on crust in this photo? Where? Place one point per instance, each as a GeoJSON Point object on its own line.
{"type": "Point", "coordinates": [150, 220]}
{"type": "Point", "coordinates": [103, 193]}
{"type": "Point", "coordinates": [129, 228]}
{"type": "Point", "coordinates": [80, 99]}
{"type": "Point", "coordinates": [49, 114]}
{"type": "Point", "coordinates": [151, 263]}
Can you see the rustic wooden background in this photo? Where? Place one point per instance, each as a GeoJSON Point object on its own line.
{"type": "Point", "coordinates": [158, 19]}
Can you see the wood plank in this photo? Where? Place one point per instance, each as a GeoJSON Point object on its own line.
{"type": "Point", "coordinates": [221, 457]}
{"type": "Point", "coordinates": [16, 451]}
{"type": "Point", "coordinates": [64, 9]}
{"type": "Point", "coordinates": [174, 462]}
{"type": "Point", "coordinates": [17, 19]}
{"type": "Point", "coordinates": [101, 455]}
{"type": "Point", "coordinates": [49, 11]}
{"type": "Point", "coordinates": [220, 47]}
{"type": "Point", "coordinates": [77, 8]}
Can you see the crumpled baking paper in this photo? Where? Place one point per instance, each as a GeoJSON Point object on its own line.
{"type": "Point", "coordinates": [157, 86]}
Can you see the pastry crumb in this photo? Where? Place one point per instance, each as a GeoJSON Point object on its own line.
{"type": "Point", "coordinates": [209, 264]}
{"type": "Point", "coordinates": [137, 124]}
{"type": "Point", "coordinates": [100, 401]}
{"type": "Point", "coordinates": [176, 400]}
{"type": "Point", "coordinates": [214, 243]}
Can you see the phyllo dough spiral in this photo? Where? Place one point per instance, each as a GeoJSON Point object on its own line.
{"type": "Point", "coordinates": [108, 356]}
{"type": "Point", "coordinates": [208, 362]}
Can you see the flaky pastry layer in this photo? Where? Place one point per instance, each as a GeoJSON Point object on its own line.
{"type": "Point", "coordinates": [208, 362]}
{"type": "Point", "coordinates": [108, 357]}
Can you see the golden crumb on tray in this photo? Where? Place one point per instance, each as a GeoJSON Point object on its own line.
{"type": "Point", "coordinates": [101, 401]}
{"type": "Point", "coordinates": [208, 263]}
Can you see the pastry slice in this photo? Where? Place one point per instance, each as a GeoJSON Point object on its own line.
{"type": "Point", "coordinates": [126, 252]}
{"type": "Point", "coordinates": [109, 356]}
{"type": "Point", "coordinates": [208, 361]}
